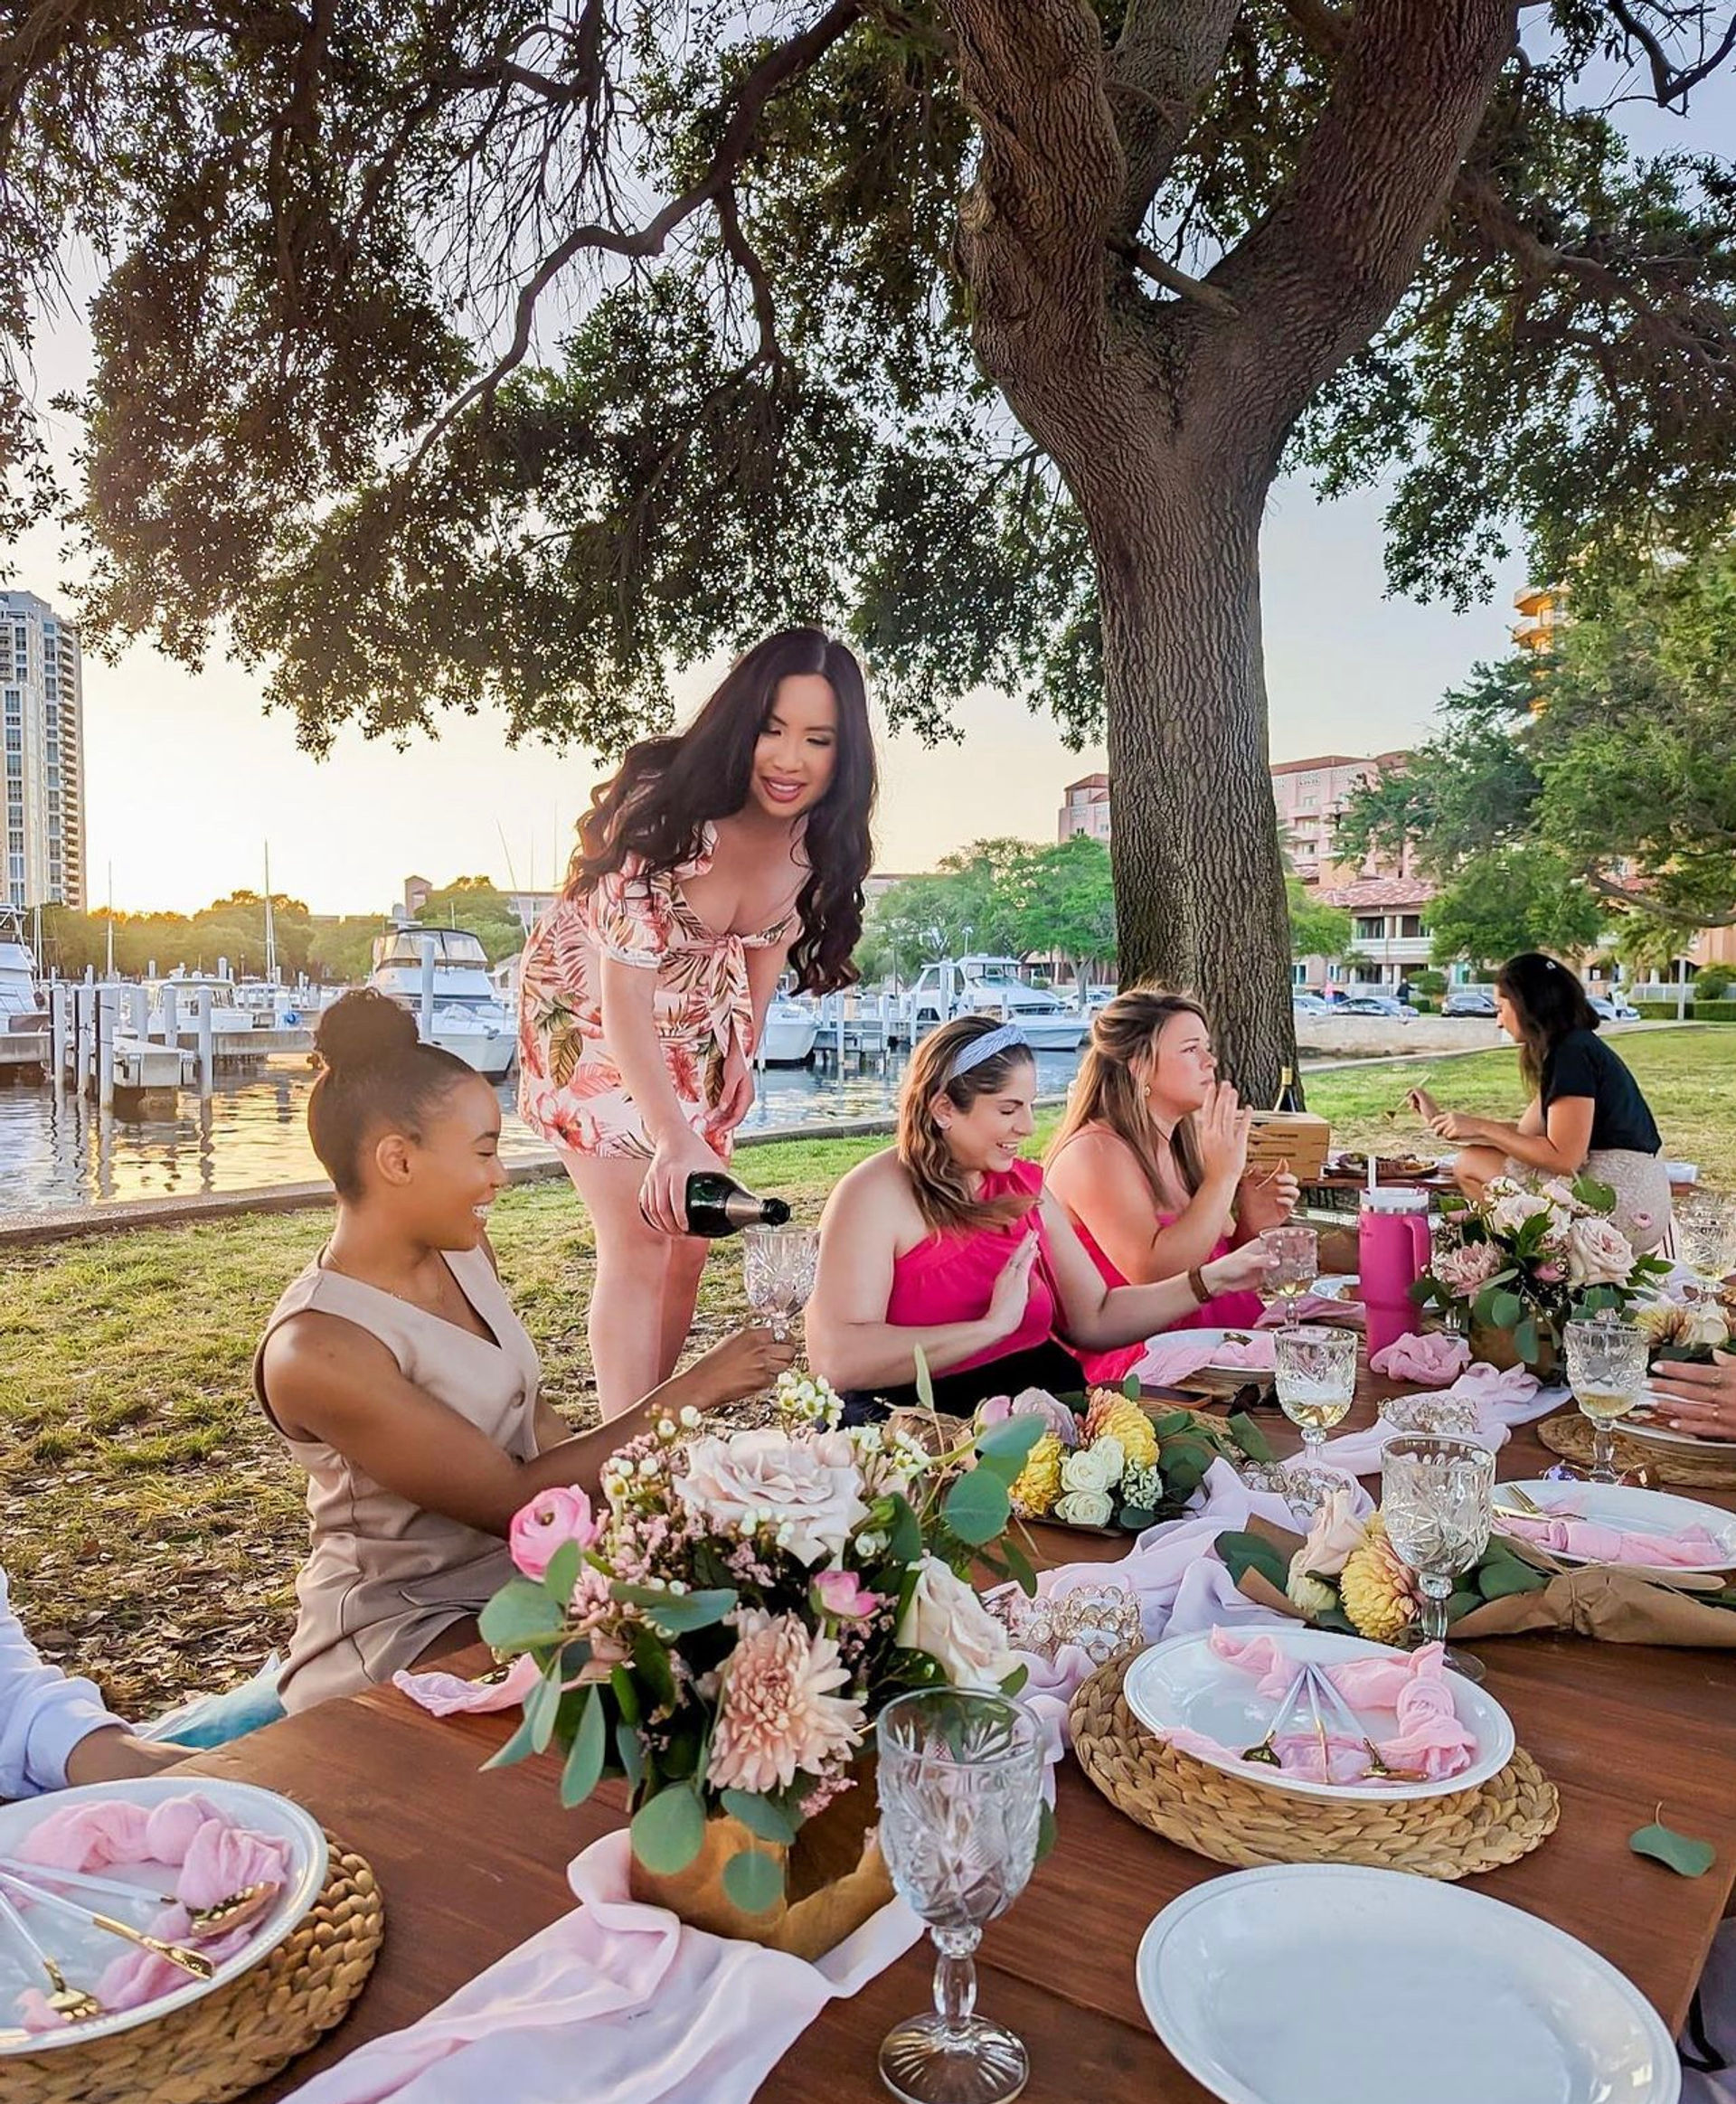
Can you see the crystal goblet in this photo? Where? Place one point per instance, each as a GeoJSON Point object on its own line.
{"type": "Point", "coordinates": [1606, 1368]}
{"type": "Point", "coordinates": [1295, 1252]}
{"type": "Point", "coordinates": [1436, 1496]}
{"type": "Point", "coordinates": [777, 1267]}
{"type": "Point", "coordinates": [960, 1779]}
{"type": "Point", "coordinates": [1315, 1374]}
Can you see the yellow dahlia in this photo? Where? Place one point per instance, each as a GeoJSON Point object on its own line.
{"type": "Point", "coordinates": [1121, 1419]}
{"type": "Point", "coordinates": [1378, 1591]}
{"type": "Point", "coordinates": [1037, 1484]}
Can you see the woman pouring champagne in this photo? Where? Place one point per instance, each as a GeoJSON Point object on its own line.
{"type": "Point", "coordinates": [709, 860]}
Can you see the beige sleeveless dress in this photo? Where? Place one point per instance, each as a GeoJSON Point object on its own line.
{"type": "Point", "coordinates": [382, 1577]}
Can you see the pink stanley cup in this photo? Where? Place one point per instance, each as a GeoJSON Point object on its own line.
{"type": "Point", "coordinates": [1393, 1243]}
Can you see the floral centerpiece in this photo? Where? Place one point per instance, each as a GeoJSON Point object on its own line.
{"type": "Point", "coordinates": [1523, 1262]}
{"type": "Point", "coordinates": [722, 1632]}
{"type": "Point", "coordinates": [1679, 1330]}
{"type": "Point", "coordinates": [1102, 1461]}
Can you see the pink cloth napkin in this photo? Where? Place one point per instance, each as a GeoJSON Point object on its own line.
{"type": "Point", "coordinates": [1178, 1354]}
{"type": "Point", "coordinates": [445, 1694]}
{"type": "Point", "coordinates": [1317, 1307]}
{"type": "Point", "coordinates": [1414, 1687]}
{"type": "Point", "coordinates": [1434, 1359]}
{"type": "Point", "coordinates": [1566, 1532]}
{"type": "Point", "coordinates": [1170, 1569]}
{"type": "Point", "coordinates": [615, 2000]}
{"type": "Point", "coordinates": [1503, 1400]}
{"type": "Point", "coordinates": [212, 1858]}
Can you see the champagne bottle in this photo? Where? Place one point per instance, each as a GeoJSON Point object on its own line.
{"type": "Point", "coordinates": [716, 1205]}
{"type": "Point", "coordinates": [1287, 1097]}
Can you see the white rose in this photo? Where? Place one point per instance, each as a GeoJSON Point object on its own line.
{"type": "Point", "coordinates": [1598, 1253]}
{"type": "Point", "coordinates": [1335, 1534]}
{"type": "Point", "coordinates": [1307, 1594]}
{"type": "Point", "coordinates": [806, 1483]}
{"type": "Point", "coordinates": [946, 1619]}
{"type": "Point", "coordinates": [1085, 1508]}
{"type": "Point", "coordinates": [1510, 1212]}
{"type": "Point", "coordinates": [1094, 1469]}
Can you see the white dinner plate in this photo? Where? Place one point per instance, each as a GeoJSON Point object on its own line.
{"type": "Point", "coordinates": [1329, 1983]}
{"type": "Point", "coordinates": [1338, 1286]}
{"type": "Point", "coordinates": [1184, 1683]}
{"type": "Point", "coordinates": [1634, 1512]}
{"type": "Point", "coordinates": [84, 1952]}
{"type": "Point", "coordinates": [1634, 1426]}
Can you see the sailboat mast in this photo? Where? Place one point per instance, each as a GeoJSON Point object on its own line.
{"type": "Point", "coordinates": [270, 925]}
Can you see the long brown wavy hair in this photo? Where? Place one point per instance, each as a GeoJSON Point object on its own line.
{"type": "Point", "coordinates": [1106, 1090]}
{"type": "Point", "coordinates": [1548, 1001]}
{"type": "Point", "coordinates": [942, 1195]}
{"type": "Point", "coordinates": [660, 799]}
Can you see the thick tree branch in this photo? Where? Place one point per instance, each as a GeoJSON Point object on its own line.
{"type": "Point", "coordinates": [1166, 274]}
{"type": "Point", "coordinates": [760, 86]}
{"type": "Point", "coordinates": [1163, 62]}
{"type": "Point", "coordinates": [1643, 903]}
{"type": "Point", "coordinates": [1329, 262]}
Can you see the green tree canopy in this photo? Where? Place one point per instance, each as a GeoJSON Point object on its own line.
{"type": "Point", "coordinates": [1068, 908]}
{"type": "Point", "coordinates": [1615, 753]}
{"type": "Point", "coordinates": [1317, 930]}
{"type": "Point", "coordinates": [515, 352]}
{"type": "Point", "coordinates": [1511, 899]}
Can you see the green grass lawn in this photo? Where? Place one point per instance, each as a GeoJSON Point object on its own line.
{"type": "Point", "coordinates": [152, 1522]}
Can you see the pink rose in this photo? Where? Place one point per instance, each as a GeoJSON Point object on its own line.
{"type": "Point", "coordinates": [551, 1519]}
{"type": "Point", "coordinates": [1598, 1254]}
{"type": "Point", "coordinates": [1464, 1271]}
{"type": "Point", "coordinates": [841, 1593]}
{"type": "Point", "coordinates": [1031, 1403]}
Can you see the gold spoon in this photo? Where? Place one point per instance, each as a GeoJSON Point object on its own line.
{"type": "Point", "coordinates": [1378, 1770]}
{"type": "Point", "coordinates": [222, 1915]}
{"type": "Point", "coordinates": [216, 1919]}
{"type": "Point", "coordinates": [70, 2004]}
{"type": "Point", "coordinates": [190, 1961]}
{"type": "Point", "coordinates": [1266, 1752]}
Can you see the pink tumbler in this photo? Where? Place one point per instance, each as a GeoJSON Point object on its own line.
{"type": "Point", "coordinates": [1392, 1247]}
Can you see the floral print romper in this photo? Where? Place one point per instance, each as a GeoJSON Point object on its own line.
{"type": "Point", "coordinates": [569, 1089]}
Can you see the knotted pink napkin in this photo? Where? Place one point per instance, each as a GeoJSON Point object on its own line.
{"type": "Point", "coordinates": [1433, 1359]}
{"type": "Point", "coordinates": [617, 2000]}
{"type": "Point", "coordinates": [211, 1857]}
{"type": "Point", "coordinates": [446, 1694]}
{"type": "Point", "coordinates": [1502, 1399]}
{"type": "Point", "coordinates": [1177, 1355]}
{"type": "Point", "coordinates": [1566, 1534]}
{"type": "Point", "coordinates": [1414, 1688]}
{"type": "Point", "coordinates": [1317, 1307]}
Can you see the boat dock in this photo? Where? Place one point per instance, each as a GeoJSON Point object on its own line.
{"type": "Point", "coordinates": [107, 1042]}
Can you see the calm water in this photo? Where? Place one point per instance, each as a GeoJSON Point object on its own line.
{"type": "Point", "coordinates": [254, 1132]}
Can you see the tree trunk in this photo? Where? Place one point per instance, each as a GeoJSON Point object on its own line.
{"type": "Point", "coordinates": [1199, 879]}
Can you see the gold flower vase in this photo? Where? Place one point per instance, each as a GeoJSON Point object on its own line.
{"type": "Point", "coordinates": [834, 1879]}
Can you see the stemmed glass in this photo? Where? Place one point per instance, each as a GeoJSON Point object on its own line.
{"type": "Point", "coordinates": [1435, 1499]}
{"type": "Point", "coordinates": [960, 1801]}
{"type": "Point", "coordinates": [1314, 1369]}
{"type": "Point", "coordinates": [1295, 1252]}
{"type": "Point", "coordinates": [777, 1266]}
{"type": "Point", "coordinates": [1606, 1368]}
{"type": "Point", "coordinates": [1706, 1234]}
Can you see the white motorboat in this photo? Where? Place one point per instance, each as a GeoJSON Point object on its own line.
{"type": "Point", "coordinates": [990, 986]}
{"type": "Point", "coordinates": [789, 1034]}
{"type": "Point", "coordinates": [22, 1005]}
{"type": "Point", "coordinates": [468, 1017]}
{"type": "Point", "coordinates": [228, 1015]}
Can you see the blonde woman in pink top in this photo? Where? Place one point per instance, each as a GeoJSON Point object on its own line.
{"type": "Point", "coordinates": [948, 1240]}
{"type": "Point", "coordinates": [1151, 1159]}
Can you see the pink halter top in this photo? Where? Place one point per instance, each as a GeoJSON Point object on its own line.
{"type": "Point", "coordinates": [950, 1277]}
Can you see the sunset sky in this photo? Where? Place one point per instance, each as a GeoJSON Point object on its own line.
{"type": "Point", "coordinates": [188, 777]}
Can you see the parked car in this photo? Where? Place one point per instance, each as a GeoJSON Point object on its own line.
{"type": "Point", "coordinates": [1469, 1001]}
{"type": "Point", "coordinates": [1612, 1009]}
{"type": "Point", "coordinates": [1385, 1004]}
{"type": "Point", "coordinates": [1304, 1000]}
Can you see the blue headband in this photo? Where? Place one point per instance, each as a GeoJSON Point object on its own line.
{"type": "Point", "coordinates": [985, 1048]}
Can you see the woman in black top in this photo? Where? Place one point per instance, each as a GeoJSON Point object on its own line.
{"type": "Point", "coordinates": [1586, 1112]}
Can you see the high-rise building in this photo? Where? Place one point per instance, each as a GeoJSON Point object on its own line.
{"type": "Point", "coordinates": [41, 709]}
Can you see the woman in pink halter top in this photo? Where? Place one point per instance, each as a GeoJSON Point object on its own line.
{"type": "Point", "coordinates": [948, 1243]}
{"type": "Point", "coordinates": [1151, 1160]}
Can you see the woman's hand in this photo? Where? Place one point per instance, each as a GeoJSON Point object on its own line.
{"type": "Point", "coordinates": [1701, 1400]}
{"type": "Point", "coordinates": [662, 1195]}
{"type": "Point", "coordinates": [1221, 1129]}
{"type": "Point", "coordinates": [1451, 1125]}
{"type": "Point", "coordinates": [1237, 1270]}
{"type": "Point", "coordinates": [741, 1365]}
{"type": "Point", "coordinates": [1424, 1105]}
{"type": "Point", "coordinates": [1012, 1294]}
{"type": "Point", "coordinates": [1263, 1202]}
{"type": "Point", "coordinates": [736, 1098]}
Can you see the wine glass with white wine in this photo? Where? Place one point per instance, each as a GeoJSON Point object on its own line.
{"type": "Point", "coordinates": [1295, 1252]}
{"type": "Point", "coordinates": [1606, 1368]}
{"type": "Point", "coordinates": [1316, 1377]}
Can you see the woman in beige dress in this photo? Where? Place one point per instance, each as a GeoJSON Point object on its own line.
{"type": "Point", "coordinates": [399, 1376]}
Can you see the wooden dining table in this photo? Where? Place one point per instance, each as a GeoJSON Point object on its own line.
{"type": "Point", "coordinates": [472, 1864]}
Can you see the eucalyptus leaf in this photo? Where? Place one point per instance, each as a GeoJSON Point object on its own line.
{"type": "Point", "coordinates": [1133, 1519]}
{"type": "Point", "coordinates": [754, 1880]}
{"type": "Point", "coordinates": [631, 1754]}
{"type": "Point", "coordinates": [668, 1830]}
{"type": "Point", "coordinates": [1046, 1830]}
{"type": "Point", "coordinates": [542, 1707]}
{"type": "Point", "coordinates": [1011, 1441]}
{"type": "Point", "coordinates": [1131, 1389]}
{"type": "Point", "coordinates": [904, 1537]}
{"type": "Point", "coordinates": [976, 1507]}
{"type": "Point", "coordinates": [762, 1817]}
{"type": "Point", "coordinates": [1250, 1438]}
{"type": "Point", "coordinates": [519, 1615]}
{"type": "Point", "coordinates": [584, 1766]}
{"type": "Point", "coordinates": [1501, 1577]}
{"type": "Point", "coordinates": [1525, 1338]}
{"type": "Point", "coordinates": [516, 1749]}
{"type": "Point", "coordinates": [562, 1574]}
{"type": "Point", "coordinates": [1019, 1567]}
{"type": "Point", "coordinates": [626, 1695]}
{"type": "Point", "coordinates": [678, 1614]}
{"type": "Point", "coordinates": [1014, 1685]}
{"type": "Point", "coordinates": [924, 1379]}
{"type": "Point", "coordinates": [1243, 1552]}
{"type": "Point", "coordinates": [1686, 1857]}
{"type": "Point", "coordinates": [1504, 1310]}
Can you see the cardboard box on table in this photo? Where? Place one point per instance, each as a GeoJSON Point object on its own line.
{"type": "Point", "coordinates": [1288, 1136]}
